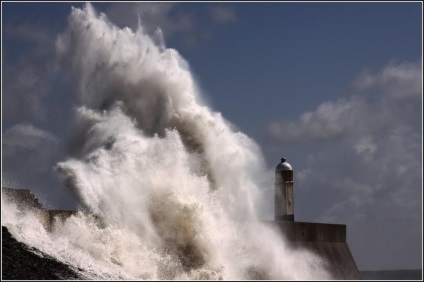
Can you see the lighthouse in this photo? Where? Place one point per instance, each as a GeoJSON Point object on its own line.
{"type": "Point", "coordinates": [284, 197]}
{"type": "Point", "coordinates": [323, 239]}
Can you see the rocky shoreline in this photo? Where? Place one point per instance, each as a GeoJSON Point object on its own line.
{"type": "Point", "coordinates": [19, 262]}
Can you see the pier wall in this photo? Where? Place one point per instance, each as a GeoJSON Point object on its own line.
{"type": "Point", "coordinates": [26, 201]}
{"type": "Point", "coordinates": [328, 241]}
{"type": "Point", "coordinates": [325, 240]}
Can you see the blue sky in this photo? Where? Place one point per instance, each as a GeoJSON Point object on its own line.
{"type": "Point", "coordinates": [334, 87]}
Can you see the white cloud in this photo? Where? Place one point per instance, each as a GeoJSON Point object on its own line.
{"type": "Point", "coordinates": [30, 32]}
{"type": "Point", "coordinates": [175, 21]}
{"type": "Point", "coordinates": [398, 81]}
{"type": "Point", "coordinates": [398, 92]}
{"type": "Point", "coordinates": [152, 16]}
{"type": "Point", "coordinates": [329, 120]}
{"type": "Point", "coordinates": [28, 149]}
{"type": "Point", "coordinates": [365, 145]}
{"type": "Point", "coordinates": [370, 177]}
{"type": "Point", "coordinates": [23, 93]}
{"type": "Point", "coordinates": [223, 14]}
{"type": "Point", "coordinates": [29, 154]}
{"type": "Point", "coordinates": [27, 72]}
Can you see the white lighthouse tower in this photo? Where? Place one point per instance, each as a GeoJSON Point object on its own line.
{"type": "Point", "coordinates": [284, 197]}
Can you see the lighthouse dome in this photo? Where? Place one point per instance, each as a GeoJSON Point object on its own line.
{"type": "Point", "coordinates": [283, 165]}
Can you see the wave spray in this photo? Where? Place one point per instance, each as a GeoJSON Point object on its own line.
{"type": "Point", "coordinates": [174, 189]}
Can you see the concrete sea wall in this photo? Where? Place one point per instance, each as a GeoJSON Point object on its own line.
{"type": "Point", "coordinates": [26, 201]}
{"type": "Point", "coordinates": [326, 240]}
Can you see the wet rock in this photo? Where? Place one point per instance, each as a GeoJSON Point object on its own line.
{"type": "Point", "coordinates": [19, 262]}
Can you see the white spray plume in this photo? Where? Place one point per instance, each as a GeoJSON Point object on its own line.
{"type": "Point", "coordinates": [176, 189]}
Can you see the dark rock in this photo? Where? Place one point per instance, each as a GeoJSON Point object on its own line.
{"type": "Point", "coordinates": [19, 262]}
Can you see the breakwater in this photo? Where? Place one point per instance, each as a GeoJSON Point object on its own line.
{"type": "Point", "coordinates": [27, 202]}
{"type": "Point", "coordinates": [328, 241]}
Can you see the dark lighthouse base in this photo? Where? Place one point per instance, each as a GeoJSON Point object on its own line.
{"type": "Point", "coordinates": [325, 240]}
{"type": "Point", "coordinates": [285, 217]}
